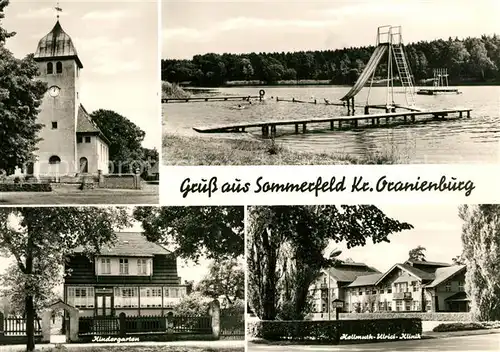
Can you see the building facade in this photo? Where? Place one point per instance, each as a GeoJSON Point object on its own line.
{"type": "Point", "coordinates": [331, 285]}
{"type": "Point", "coordinates": [134, 276]}
{"type": "Point", "coordinates": [71, 144]}
{"type": "Point", "coordinates": [416, 286]}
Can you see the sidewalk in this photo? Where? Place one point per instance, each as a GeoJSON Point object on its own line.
{"type": "Point", "coordinates": [219, 344]}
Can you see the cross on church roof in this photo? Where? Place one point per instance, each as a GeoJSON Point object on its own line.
{"type": "Point", "coordinates": [58, 9]}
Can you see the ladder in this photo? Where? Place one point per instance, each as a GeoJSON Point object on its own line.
{"type": "Point", "coordinates": [405, 75]}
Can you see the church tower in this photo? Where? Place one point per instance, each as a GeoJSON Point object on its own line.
{"type": "Point", "coordinates": [59, 66]}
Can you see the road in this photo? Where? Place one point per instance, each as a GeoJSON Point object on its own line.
{"type": "Point", "coordinates": [490, 342]}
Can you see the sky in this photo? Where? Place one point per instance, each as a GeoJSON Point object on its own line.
{"type": "Point", "coordinates": [198, 27]}
{"type": "Point", "coordinates": [436, 227]}
{"type": "Point", "coordinates": [117, 42]}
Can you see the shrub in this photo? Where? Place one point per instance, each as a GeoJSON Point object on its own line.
{"type": "Point", "coordinates": [333, 331]}
{"type": "Point", "coordinates": [458, 327]}
{"type": "Point", "coordinates": [25, 187]}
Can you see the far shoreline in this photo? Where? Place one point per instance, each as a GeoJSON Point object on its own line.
{"type": "Point", "coordinates": [309, 83]}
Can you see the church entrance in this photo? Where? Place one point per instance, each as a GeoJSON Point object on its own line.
{"type": "Point", "coordinates": [84, 165]}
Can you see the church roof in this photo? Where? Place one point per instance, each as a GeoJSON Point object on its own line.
{"type": "Point", "coordinates": [55, 45]}
{"type": "Point", "coordinates": [84, 124]}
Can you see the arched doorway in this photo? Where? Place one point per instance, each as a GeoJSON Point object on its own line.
{"type": "Point", "coordinates": [84, 165]}
{"type": "Point", "coordinates": [60, 323]}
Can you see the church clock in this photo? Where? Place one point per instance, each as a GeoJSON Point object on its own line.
{"type": "Point", "coordinates": [54, 91]}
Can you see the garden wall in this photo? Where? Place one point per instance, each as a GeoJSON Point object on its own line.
{"type": "Point", "coordinates": [336, 331]}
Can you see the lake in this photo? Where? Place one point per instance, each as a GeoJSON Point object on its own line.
{"type": "Point", "coordinates": [473, 140]}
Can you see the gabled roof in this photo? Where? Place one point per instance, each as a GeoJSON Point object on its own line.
{"type": "Point", "coordinates": [423, 262]}
{"type": "Point", "coordinates": [420, 274]}
{"type": "Point", "coordinates": [84, 124]}
{"type": "Point", "coordinates": [131, 244]}
{"type": "Point", "coordinates": [365, 280]}
{"type": "Point", "coordinates": [348, 272]}
{"type": "Point", "coordinates": [56, 45]}
{"type": "Point", "coordinates": [442, 274]}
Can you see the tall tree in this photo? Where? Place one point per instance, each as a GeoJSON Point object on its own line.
{"type": "Point", "coordinates": [481, 243]}
{"type": "Point", "coordinates": [214, 232]}
{"type": "Point", "coordinates": [20, 97]}
{"type": "Point", "coordinates": [286, 239]}
{"type": "Point", "coordinates": [225, 278]}
{"type": "Point", "coordinates": [417, 253]}
{"type": "Point", "coordinates": [125, 137]}
{"type": "Point", "coordinates": [39, 239]}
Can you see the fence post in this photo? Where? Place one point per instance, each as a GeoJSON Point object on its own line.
{"type": "Point", "coordinates": [1, 324]}
{"type": "Point", "coordinates": [214, 312]}
{"type": "Point", "coordinates": [123, 331]}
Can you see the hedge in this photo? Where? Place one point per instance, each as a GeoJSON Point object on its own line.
{"type": "Point", "coordinates": [459, 327]}
{"type": "Point", "coordinates": [337, 331]}
{"type": "Point", "coordinates": [425, 316]}
{"type": "Point", "coordinates": [25, 187]}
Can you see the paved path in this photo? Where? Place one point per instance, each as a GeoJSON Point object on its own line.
{"type": "Point", "coordinates": [473, 343]}
{"type": "Point", "coordinates": [83, 346]}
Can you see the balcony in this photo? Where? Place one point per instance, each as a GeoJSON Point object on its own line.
{"type": "Point", "coordinates": [402, 295]}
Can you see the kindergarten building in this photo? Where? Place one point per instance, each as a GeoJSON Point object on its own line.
{"type": "Point", "coordinates": [417, 286]}
{"type": "Point", "coordinates": [133, 276]}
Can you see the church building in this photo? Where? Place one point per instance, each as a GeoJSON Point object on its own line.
{"type": "Point", "coordinates": [71, 143]}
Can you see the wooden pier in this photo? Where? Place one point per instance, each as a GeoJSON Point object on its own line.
{"type": "Point", "coordinates": [357, 121]}
{"type": "Point", "coordinates": [436, 91]}
{"type": "Point", "coordinates": [203, 99]}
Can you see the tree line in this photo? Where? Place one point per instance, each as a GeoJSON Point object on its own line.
{"type": "Point", "coordinates": [468, 60]}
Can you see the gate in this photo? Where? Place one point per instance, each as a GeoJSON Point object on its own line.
{"type": "Point", "coordinates": [232, 324]}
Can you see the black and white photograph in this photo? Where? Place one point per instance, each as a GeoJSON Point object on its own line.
{"type": "Point", "coordinates": [373, 278]}
{"type": "Point", "coordinates": [79, 105]}
{"type": "Point", "coordinates": [330, 82]}
{"type": "Point", "coordinates": [158, 279]}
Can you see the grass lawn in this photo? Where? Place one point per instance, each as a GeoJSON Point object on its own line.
{"type": "Point", "coordinates": [182, 150]}
{"type": "Point", "coordinates": [148, 195]}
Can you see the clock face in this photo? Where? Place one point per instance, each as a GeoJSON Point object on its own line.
{"type": "Point", "coordinates": [54, 91]}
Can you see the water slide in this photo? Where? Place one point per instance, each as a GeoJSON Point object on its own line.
{"type": "Point", "coordinates": [367, 72]}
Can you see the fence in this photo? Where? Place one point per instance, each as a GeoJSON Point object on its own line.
{"type": "Point", "coordinates": [13, 329]}
{"type": "Point", "coordinates": [232, 324]}
{"type": "Point", "coordinates": [133, 325]}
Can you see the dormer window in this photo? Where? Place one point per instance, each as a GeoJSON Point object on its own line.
{"type": "Point", "coordinates": [123, 266]}
{"type": "Point", "coordinates": [50, 68]}
{"type": "Point", "coordinates": [105, 266]}
{"type": "Point", "coordinates": [59, 67]}
{"type": "Point", "coordinates": [142, 268]}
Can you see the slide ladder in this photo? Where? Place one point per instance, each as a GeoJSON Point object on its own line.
{"type": "Point", "coordinates": [405, 75]}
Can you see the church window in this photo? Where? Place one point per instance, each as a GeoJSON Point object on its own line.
{"type": "Point", "coordinates": [87, 139]}
{"type": "Point", "coordinates": [54, 125]}
{"type": "Point", "coordinates": [79, 139]}
{"type": "Point", "coordinates": [59, 67]}
{"type": "Point", "coordinates": [50, 68]}
{"type": "Point", "coordinates": [54, 159]}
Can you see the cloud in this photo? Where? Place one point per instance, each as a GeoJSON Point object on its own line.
{"type": "Point", "coordinates": [113, 15]}
{"type": "Point", "coordinates": [41, 14]}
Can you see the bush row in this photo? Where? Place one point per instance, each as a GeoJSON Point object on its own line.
{"type": "Point", "coordinates": [459, 327]}
{"type": "Point", "coordinates": [25, 187]}
{"type": "Point", "coordinates": [336, 331]}
{"type": "Point", "coordinates": [425, 316]}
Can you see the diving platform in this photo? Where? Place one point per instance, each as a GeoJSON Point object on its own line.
{"type": "Point", "coordinates": [339, 122]}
